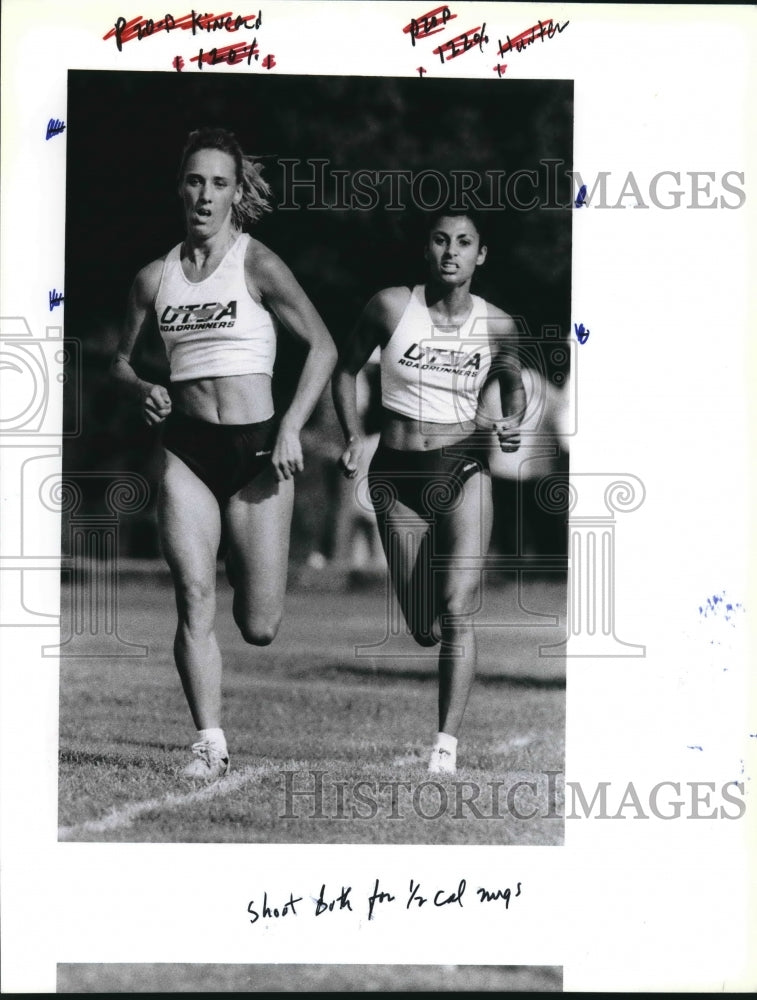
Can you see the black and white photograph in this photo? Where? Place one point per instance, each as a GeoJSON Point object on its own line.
{"type": "Point", "coordinates": [349, 548]}
{"type": "Point", "coordinates": [377, 510]}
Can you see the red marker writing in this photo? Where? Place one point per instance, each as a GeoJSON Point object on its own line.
{"type": "Point", "coordinates": [428, 24]}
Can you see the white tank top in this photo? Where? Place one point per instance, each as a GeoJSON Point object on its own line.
{"type": "Point", "coordinates": [436, 374]}
{"type": "Point", "coordinates": [213, 327]}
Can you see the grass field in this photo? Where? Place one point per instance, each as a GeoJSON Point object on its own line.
{"type": "Point", "coordinates": [333, 709]}
{"type": "Point", "coordinates": [170, 978]}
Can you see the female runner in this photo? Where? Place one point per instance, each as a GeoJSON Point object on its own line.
{"type": "Point", "coordinates": [228, 458]}
{"type": "Point", "coordinates": [450, 380]}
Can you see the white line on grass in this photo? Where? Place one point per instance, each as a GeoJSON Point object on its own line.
{"type": "Point", "coordinates": [171, 800]}
{"type": "Point", "coordinates": [409, 759]}
{"type": "Point", "coordinates": [517, 741]}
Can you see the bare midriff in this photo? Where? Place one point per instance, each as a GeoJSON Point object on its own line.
{"type": "Point", "coordinates": [406, 434]}
{"type": "Point", "coordinates": [229, 399]}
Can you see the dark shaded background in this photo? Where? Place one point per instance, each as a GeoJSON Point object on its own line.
{"type": "Point", "coordinates": [125, 131]}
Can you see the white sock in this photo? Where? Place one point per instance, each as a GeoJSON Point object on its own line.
{"type": "Point", "coordinates": [215, 736]}
{"type": "Point", "coordinates": [446, 742]}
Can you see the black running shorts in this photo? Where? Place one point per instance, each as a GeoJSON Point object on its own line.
{"type": "Point", "coordinates": [225, 457]}
{"type": "Point", "coordinates": [429, 482]}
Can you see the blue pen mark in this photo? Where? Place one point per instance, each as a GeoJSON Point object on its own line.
{"type": "Point", "coordinates": [717, 605]}
{"type": "Point", "coordinates": [582, 334]}
{"type": "Point", "coordinates": [55, 299]}
{"type": "Point", "coordinates": [581, 197]}
{"type": "Point", "coordinates": [54, 127]}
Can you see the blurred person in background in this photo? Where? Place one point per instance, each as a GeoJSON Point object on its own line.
{"type": "Point", "coordinates": [450, 382]}
{"type": "Point", "coordinates": [230, 461]}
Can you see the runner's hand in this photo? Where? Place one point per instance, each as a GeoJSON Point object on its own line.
{"type": "Point", "coordinates": [287, 454]}
{"type": "Point", "coordinates": [508, 435]}
{"type": "Point", "coordinates": [156, 404]}
{"type": "Point", "coordinates": [350, 457]}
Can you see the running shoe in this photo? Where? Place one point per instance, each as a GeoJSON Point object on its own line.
{"type": "Point", "coordinates": [441, 762]}
{"type": "Point", "coordinates": [210, 762]}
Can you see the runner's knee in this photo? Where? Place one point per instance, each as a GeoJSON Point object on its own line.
{"type": "Point", "coordinates": [457, 604]}
{"type": "Point", "coordinates": [422, 625]}
{"type": "Point", "coordinates": [426, 638]}
{"type": "Point", "coordinates": [195, 599]}
{"type": "Point", "coordinates": [256, 630]}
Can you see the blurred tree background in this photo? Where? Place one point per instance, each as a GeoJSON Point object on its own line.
{"type": "Point", "coordinates": [125, 132]}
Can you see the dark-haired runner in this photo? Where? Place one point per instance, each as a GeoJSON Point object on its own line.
{"type": "Point", "coordinates": [450, 380]}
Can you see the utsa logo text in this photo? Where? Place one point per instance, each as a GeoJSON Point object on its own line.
{"type": "Point", "coordinates": [200, 313]}
{"type": "Point", "coordinates": [442, 356]}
